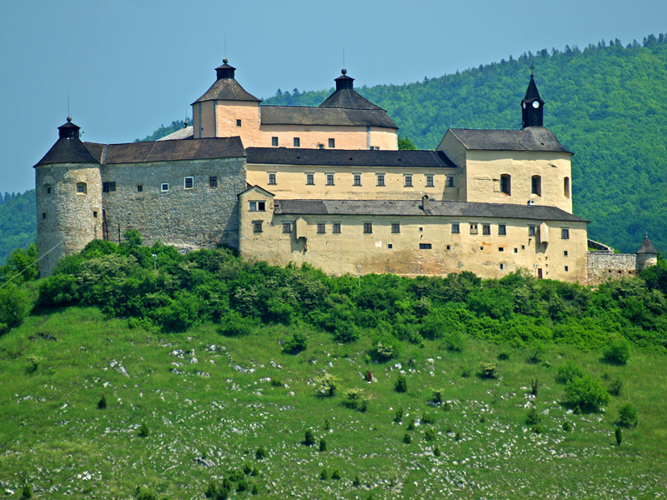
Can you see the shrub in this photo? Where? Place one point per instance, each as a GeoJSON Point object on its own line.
{"type": "Point", "coordinates": [503, 356]}
{"type": "Point", "coordinates": [411, 425]}
{"type": "Point", "coordinates": [27, 492]}
{"type": "Point", "coordinates": [619, 436]}
{"type": "Point", "coordinates": [323, 444]}
{"type": "Point", "coordinates": [487, 370]}
{"type": "Point", "coordinates": [458, 436]}
{"type": "Point", "coordinates": [336, 474]}
{"type": "Point", "coordinates": [627, 416]}
{"type": "Point", "coordinates": [615, 386]}
{"type": "Point", "coordinates": [455, 342]}
{"type": "Point", "coordinates": [437, 396]}
{"type": "Point", "coordinates": [255, 489]}
{"type": "Point", "coordinates": [586, 392]}
{"type": "Point", "coordinates": [356, 482]}
{"type": "Point", "coordinates": [429, 435]}
{"type": "Point", "coordinates": [577, 410]}
{"type": "Point", "coordinates": [537, 353]}
{"type": "Point", "coordinates": [212, 491]}
{"type": "Point", "coordinates": [346, 332]}
{"type": "Point", "coordinates": [102, 403]}
{"type": "Point", "coordinates": [236, 475]}
{"type": "Point", "coordinates": [227, 483]}
{"type": "Point", "coordinates": [618, 352]}
{"type": "Point", "coordinates": [143, 430]}
{"type": "Point", "coordinates": [428, 418]}
{"type": "Point", "coordinates": [533, 387]}
{"type": "Point", "coordinates": [13, 307]}
{"type": "Point", "coordinates": [401, 384]}
{"type": "Point", "coordinates": [260, 454]}
{"type": "Point", "coordinates": [234, 324]}
{"type": "Point", "coordinates": [243, 485]}
{"type": "Point", "coordinates": [386, 347]}
{"type": "Point", "coordinates": [538, 429]}
{"type": "Point", "coordinates": [436, 451]}
{"type": "Point", "coordinates": [398, 416]}
{"type": "Point", "coordinates": [407, 439]}
{"type": "Point", "coordinates": [326, 385]}
{"type": "Point", "coordinates": [356, 399]}
{"type": "Point", "coordinates": [465, 372]}
{"type": "Point", "coordinates": [310, 438]}
{"type": "Point", "coordinates": [482, 420]}
{"type": "Point", "coordinates": [567, 426]}
{"type": "Point", "coordinates": [533, 417]}
{"type": "Point", "coordinates": [568, 372]}
{"type": "Point", "coordinates": [297, 343]}
{"type": "Point", "coordinates": [247, 468]}
{"type": "Point", "coordinates": [324, 475]}
{"type": "Point", "coordinates": [327, 425]}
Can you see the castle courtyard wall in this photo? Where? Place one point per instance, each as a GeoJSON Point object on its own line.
{"type": "Point", "coordinates": [603, 266]}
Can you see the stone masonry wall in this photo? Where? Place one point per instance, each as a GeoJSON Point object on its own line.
{"type": "Point", "coordinates": [200, 217]}
{"type": "Point", "coordinates": [603, 266]}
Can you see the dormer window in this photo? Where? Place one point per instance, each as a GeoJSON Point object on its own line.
{"type": "Point", "coordinates": [81, 188]}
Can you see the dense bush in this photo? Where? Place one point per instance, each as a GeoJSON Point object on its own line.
{"type": "Point", "coordinates": [586, 392]}
{"type": "Point", "coordinates": [401, 384]}
{"type": "Point", "coordinates": [568, 372]}
{"type": "Point", "coordinates": [627, 415]}
{"type": "Point", "coordinates": [309, 438]}
{"type": "Point", "coordinates": [618, 352]}
{"type": "Point", "coordinates": [13, 307]}
{"type": "Point", "coordinates": [296, 343]}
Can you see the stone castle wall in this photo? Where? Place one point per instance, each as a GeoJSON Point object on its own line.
{"type": "Point", "coordinates": [603, 266]}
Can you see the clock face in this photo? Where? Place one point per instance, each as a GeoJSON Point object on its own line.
{"type": "Point", "coordinates": [536, 104]}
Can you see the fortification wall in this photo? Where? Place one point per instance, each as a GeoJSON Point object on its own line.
{"type": "Point", "coordinates": [603, 266]}
{"type": "Point", "coordinates": [69, 208]}
{"type": "Point", "coordinates": [202, 216]}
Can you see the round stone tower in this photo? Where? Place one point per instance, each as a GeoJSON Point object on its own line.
{"type": "Point", "coordinates": [69, 198]}
{"type": "Point", "coordinates": [646, 255]}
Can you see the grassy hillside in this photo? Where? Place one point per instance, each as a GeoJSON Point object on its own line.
{"type": "Point", "coordinates": [606, 103]}
{"type": "Point", "coordinates": [219, 357]}
{"type": "Point", "coordinates": [209, 402]}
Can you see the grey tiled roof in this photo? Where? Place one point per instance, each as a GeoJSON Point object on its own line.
{"type": "Point", "coordinates": [142, 152]}
{"type": "Point", "coordinates": [647, 247]}
{"type": "Point", "coordinates": [348, 98]}
{"type": "Point", "coordinates": [413, 208]}
{"type": "Point", "coordinates": [307, 116]}
{"type": "Point", "coordinates": [527, 139]}
{"type": "Point", "coordinates": [184, 133]}
{"type": "Point", "coordinates": [227, 89]}
{"type": "Point", "coordinates": [346, 157]}
{"type": "Point", "coordinates": [67, 150]}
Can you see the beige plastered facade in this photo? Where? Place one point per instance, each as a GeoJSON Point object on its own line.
{"type": "Point", "coordinates": [219, 118]}
{"type": "Point", "coordinates": [403, 253]}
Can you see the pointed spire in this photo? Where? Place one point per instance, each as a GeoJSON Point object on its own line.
{"type": "Point", "coordinates": [647, 247]}
{"type": "Point", "coordinates": [532, 105]}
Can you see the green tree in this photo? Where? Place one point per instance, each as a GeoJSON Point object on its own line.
{"type": "Point", "coordinates": [13, 307]}
{"type": "Point", "coordinates": [586, 392]}
{"type": "Point", "coordinates": [627, 415]}
{"type": "Point", "coordinates": [405, 144]}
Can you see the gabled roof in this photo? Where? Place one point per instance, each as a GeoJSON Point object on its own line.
{"type": "Point", "coordinates": [256, 188]}
{"type": "Point", "coordinates": [227, 89]}
{"type": "Point", "coordinates": [307, 116]}
{"type": "Point", "coordinates": [346, 157]}
{"type": "Point", "coordinates": [144, 152]}
{"type": "Point", "coordinates": [184, 133]}
{"type": "Point", "coordinates": [647, 247]}
{"type": "Point", "coordinates": [527, 139]}
{"type": "Point", "coordinates": [413, 208]}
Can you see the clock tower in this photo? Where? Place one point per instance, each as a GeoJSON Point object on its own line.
{"type": "Point", "coordinates": [532, 106]}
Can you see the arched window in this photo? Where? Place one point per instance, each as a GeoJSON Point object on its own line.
{"type": "Point", "coordinates": [506, 184]}
{"type": "Point", "coordinates": [536, 185]}
{"type": "Point", "coordinates": [566, 187]}
{"type": "Point", "coordinates": [81, 188]}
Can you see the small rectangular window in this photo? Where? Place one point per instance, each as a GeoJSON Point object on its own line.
{"type": "Point", "coordinates": [274, 141]}
{"type": "Point", "coordinates": [321, 229]}
{"type": "Point", "coordinates": [567, 268]}
{"type": "Point", "coordinates": [456, 228]}
{"type": "Point", "coordinates": [501, 249]}
{"type": "Point", "coordinates": [95, 215]}
{"type": "Point", "coordinates": [310, 179]}
{"type": "Point", "coordinates": [44, 215]}
{"type": "Point", "coordinates": [565, 234]}
{"type": "Point", "coordinates": [473, 228]}
{"type": "Point", "coordinates": [448, 247]}
{"type": "Point", "coordinates": [81, 188]}
{"type": "Point", "coordinates": [257, 206]}
{"type": "Point", "coordinates": [330, 179]}
{"type": "Point", "coordinates": [357, 180]}
{"type": "Point", "coordinates": [238, 123]}
{"type": "Point", "coordinates": [375, 148]}
{"type": "Point", "coordinates": [502, 229]}
{"type": "Point", "coordinates": [164, 187]}
{"type": "Point", "coordinates": [48, 190]}
{"type": "Point", "coordinates": [424, 246]}
{"type": "Point", "coordinates": [272, 179]}
{"type": "Point", "coordinates": [380, 179]}
{"type": "Point", "coordinates": [257, 226]}
{"type": "Point", "coordinates": [297, 142]}
{"type": "Point", "coordinates": [565, 254]}
{"type": "Point", "coordinates": [332, 143]}
{"type": "Point", "coordinates": [336, 228]}
{"type": "Point", "coordinates": [429, 181]}
{"type": "Point", "coordinates": [287, 227]}
{"type": "Point", "coordinates": [189, 182]}
{"type": "Point", "coordinates": [252, 206]}
{"type": "Point", "coordinates": [110, 187]}
{"type": "Point", "coordinates": [516, 250]}
{"type": "Point", "coordinates": [408, 181]}
{"type": "Point", "coordinates": [531, 230]}
{"type": "Point", "coordinates": [390, 246]}
{"type": "Point", "coordinates": [502, 267]}
{"type": "Point", "coordinates": [213, 182]}
{"type": "Point", "coordinates": [140, 188]}
{"type": "Point", "coordinates": [395, 228]}
{"type": "Point", "coordinates": [450, 181]}
{"type": "Point", "coordinates": [368, 227]}
{"type": "Point", "coordinates": [486, 229]}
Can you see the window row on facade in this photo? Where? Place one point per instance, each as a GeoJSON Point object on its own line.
{"type": "Point", "coordinates": [535, 185]}
{"type": "Point", "coordinates": [296, 142]}
{"type": "Point", "coordinates": [380, 180]}
{"type": "Point", "coordinates": [110, 187]}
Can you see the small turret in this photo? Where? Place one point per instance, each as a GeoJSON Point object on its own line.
{"type": "Point", "coordinates": [647, 255]}
{"type": "Point", "coordinates": [532, 105]}
{"type": "Point", "coordinates": [225, 71]}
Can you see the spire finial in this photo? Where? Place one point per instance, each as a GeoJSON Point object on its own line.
{"type": "Point", "coordinates": [343, 71]}
{"type": "Point", "coordinates": [532, 70]}
{"type": "Point", "coordinates": [69, 119]}
{"type": "Point", "coordinates": [225, 60]}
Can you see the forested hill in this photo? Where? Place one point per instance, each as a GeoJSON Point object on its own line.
{"type": "Point", "coordinates": [607, 103]}
{"type": "Point", "coordinates": [18, 222]}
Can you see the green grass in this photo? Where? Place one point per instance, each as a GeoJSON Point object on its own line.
{"type": "Point", "coordinates": [53, 436]}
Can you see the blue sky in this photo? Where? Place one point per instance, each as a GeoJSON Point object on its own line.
{"type": "Point", "coordinates": [130, 66]}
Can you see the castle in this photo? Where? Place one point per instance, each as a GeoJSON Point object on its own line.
{"type": "Point", "coordinates": [328, 186]}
